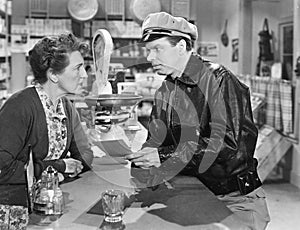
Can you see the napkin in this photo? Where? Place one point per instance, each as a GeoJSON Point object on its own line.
{"type": "Point", "coordinates": [113, 148]}
{"type": "Point", "coordinates": [107, 160]}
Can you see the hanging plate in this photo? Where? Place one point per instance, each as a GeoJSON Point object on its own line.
{"type": "Point", "coordinates": [141, 8]}
{"type": "Point", "coordinates": [83, 10]}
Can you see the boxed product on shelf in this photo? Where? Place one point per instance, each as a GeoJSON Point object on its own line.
{"type": "Point", "coordinates": [2, 47]}
{"type": "Point", "coordinates": [148, 83]}
{"type": "Point", "coordinates": [2, 5]}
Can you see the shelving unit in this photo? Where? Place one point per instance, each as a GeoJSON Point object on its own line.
{"type": "Point", "coordinates": [39, 26]}
{"type": "Point", "coordinates": [125, 34]}
{"type": "Point", "coordinates": [3, 34]}
{"type": "Point", "coordinates": [42, 17]}
{"type": "Point", "coordinates": [39, 23]}
{"type": "Point", "coordinates": [4, 48]}
{"type": "Point", "coordinates": [270, 149]}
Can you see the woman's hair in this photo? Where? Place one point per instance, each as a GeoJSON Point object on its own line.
{"type": "Point", "coordinates": [52, 52]}
{"type": "Point", "coordinates": [175, 39]}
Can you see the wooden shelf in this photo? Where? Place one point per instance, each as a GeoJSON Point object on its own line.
{"type": "Point", "coordinates": [129, 61]}
{"type": "Point", "coordinates": [45, 17]}
{"type": "Point", "coordinates": [272, 148]}
{"type": "Point", "coordinates": [116, 38]}
{"type": "Point", "coordinates": [126, 61]}
{"type": "Point", "coordinates": [5, 39]}
{"type": "Point", "coordinates": [36, 36]}
{"type": "Point", "coordinates": [127, 38]}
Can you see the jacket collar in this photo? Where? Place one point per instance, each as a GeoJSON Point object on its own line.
{"type": "Point", "coordinates": [194, 68]}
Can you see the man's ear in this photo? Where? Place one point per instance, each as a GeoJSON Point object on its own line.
{"type": "Point", "coordinates": [182, 46]}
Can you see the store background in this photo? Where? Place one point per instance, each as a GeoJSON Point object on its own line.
{"type": "Point", "coordinates": [244, 21]}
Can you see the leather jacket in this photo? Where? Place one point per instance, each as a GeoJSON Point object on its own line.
{"type": "Point", "coordinates": [204, 120]}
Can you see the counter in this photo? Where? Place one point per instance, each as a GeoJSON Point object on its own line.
{"type": "Point", "coordinates": [184, 203]}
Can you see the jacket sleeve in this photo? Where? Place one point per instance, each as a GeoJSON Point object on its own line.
{"type": "Point", "coordinates": [159, 133]}
{"type": "Point", "coordinates": [229, 111]}
{"type": "Point", "coordinates": [41, 165]}
{"type": "Point", "coordinates": [233, 133]}
{"type": "Point", "coordinates": [226, 105]}
{"type": "Point", "coordinates": [14, 125]}
{"type": "Point", "coordinates": [80, 147]}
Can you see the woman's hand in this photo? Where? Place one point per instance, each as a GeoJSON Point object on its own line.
{"type": "Point", "coordinates": [145, 158]}
{"type": "Point", "coordinates": [73, 167]}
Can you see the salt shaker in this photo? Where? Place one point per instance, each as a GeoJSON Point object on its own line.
{"type": "Point", "coordinates": [58, 201]}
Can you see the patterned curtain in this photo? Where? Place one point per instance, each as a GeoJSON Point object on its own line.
{"type": "Point", "coordinates": [278, 97]}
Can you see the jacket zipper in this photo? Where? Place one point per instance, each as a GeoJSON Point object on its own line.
{"type": "Point", "coordinates": [174, 105]}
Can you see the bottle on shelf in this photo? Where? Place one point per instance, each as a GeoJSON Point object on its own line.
{"type": "Point", "coordinates": [117, 50]}
{"type": "Point", "coordinates": [131, 50]}
{"type": "Point", "coordinates": [136, 49]}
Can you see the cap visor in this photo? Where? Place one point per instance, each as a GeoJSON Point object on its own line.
{"type": "Point", "coordinates": [148, 37]}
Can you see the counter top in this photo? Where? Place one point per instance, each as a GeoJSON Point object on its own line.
{"type": "Point", "coordinates": [184, 203]}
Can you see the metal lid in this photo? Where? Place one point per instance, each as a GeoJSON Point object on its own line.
{"type": "Point", "coordinates": [113, 100]}
{"type": "Point", "coordinates": [83, 10]}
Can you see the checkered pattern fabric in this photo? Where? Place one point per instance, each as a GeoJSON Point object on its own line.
{"type": "Point", "coordinates": [286, 104]}
{"type": "Point", "coordinates": [278, 95]}
{"type": "Point", "coordinates": [273, 113]}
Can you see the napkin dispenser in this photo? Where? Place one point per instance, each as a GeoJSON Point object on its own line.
{"type": "Point", "coordinates": [47, 196]}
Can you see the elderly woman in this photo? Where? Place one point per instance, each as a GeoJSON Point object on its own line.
{"type": "Point", "coordinates": [40, 119]}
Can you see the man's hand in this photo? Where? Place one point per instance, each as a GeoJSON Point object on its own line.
{"type": "Point", "coordinates": [152, 171]}
{"type": "Point", "coordinates": [74, 167]}
{"type": "Point", "coordinates": [166, 171]}
{"type": "Point", "coordinates": [145, 158]}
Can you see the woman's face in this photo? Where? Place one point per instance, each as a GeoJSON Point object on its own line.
{"type": "Point", "coordinates": [70, 81]}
